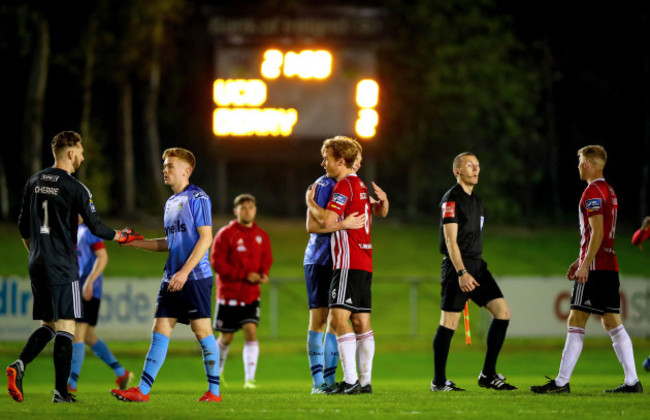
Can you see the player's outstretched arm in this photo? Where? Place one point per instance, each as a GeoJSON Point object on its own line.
{"type": "Point", "coordinates": [352, 221]}
{"type": "Point", "coordinates": [153, 245]}
{"type": "Point", "coordinates": [379, 206]}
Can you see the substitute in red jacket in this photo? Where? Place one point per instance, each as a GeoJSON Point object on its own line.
{"type": "Point", "coordinates": [241, 257]}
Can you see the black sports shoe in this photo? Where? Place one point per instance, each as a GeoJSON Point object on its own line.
{"type": "Point", "coordinates": [68, 398]}
{"type": "Point", "coordinates": [496, 381]}
{"type": "Point", "coordinates": [637, 388]}
{"type": "Point", "coordinates": [366, 389]}
{"type": "Point", "coordinates": [551, 388]}
{"type": "Point", "coordinates": [448, 386]}
{"type": "Point", "coordinates": [15, 373]}
{"type": "Point", "coordinates": [346, 388]}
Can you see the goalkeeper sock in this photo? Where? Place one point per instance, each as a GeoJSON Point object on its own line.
{"type": "Point", "coordinates": [62, 357]}
{"type": "Point", "coordinates": [210, 352]}
{"type": "Point", "coordinates": [315, 355]}
{"type": "Point", "coordinates": [441, 344]}
{"type": "Point", "coordinates": [101, 350]}
{"type": "Point", "coordinates": [495, 337]}
{"type": "Point", "coordinates": [331, 358]}
{"type": "Point", "coordinates": [154, 361]}
{"type": "Point", "coordinates": [36, 343]}
{"type": "Point", "coordinates": [575, 339]}
{"type": "Point", "coordinates": [625, 353]}
{"type": "Point", "coordinates": [78, 355]}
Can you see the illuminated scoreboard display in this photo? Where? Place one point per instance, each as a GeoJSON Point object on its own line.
{"type": "Point", "coordinates": [288, 83]}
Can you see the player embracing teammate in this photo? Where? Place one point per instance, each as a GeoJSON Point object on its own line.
{"type": "Point", "coordinates": [349, 293]}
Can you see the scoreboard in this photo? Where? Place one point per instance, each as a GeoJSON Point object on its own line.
{"type": "Point", "coordinates": [308, 76]}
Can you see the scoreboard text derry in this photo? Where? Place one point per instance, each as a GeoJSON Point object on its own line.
{"type": "Point", "coordinates": [304, 94]}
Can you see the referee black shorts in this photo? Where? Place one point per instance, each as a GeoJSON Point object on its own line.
{"type": "Point", "coordinates": [453, 299]}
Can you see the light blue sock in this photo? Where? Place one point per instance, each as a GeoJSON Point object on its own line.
{"type": "Point", "coordinates": [331, 358]}
{"type": "Point", "coordinates": [78, 355]}
{"type": "Point", "coordinates": [154, 361]}
{"type": "Point", "coordinates": [101, 350]}
{"type": "Point", "coordinates": [211, 362]}
{"type": "Point", "coordinates": [315, 354]}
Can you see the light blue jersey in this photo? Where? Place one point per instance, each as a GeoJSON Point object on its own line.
{"type": "Point", "coordinates": [87, 243]}
{"type": "Point", "coordinates": [184, 213]}
{"type": "Point", "coordinates": [318, 248]}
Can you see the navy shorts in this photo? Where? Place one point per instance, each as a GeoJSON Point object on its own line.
{"type": "Point", "coordinates": [318, 279]}
{"type": "Point", "coordinates": [193, 301]}
{"type": "Point", "coordinates": [599, 295]}
{"type": "Point", "coordinates": [453, 299]}
{"type": "Point", "coordinates": [91, 311]}
{"type": "Point", "coordinates": [230, 318]}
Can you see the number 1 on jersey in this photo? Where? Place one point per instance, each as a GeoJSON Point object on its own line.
{"type": "Point", "coordinates": [45, 228]}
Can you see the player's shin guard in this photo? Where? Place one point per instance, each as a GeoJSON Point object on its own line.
{"type": "Point", "coordinates": [62, 360]}
{"type": "Point", "coordinates": [347, 350]}
{"type": "Point", "coordinates": [495, 337]}
{"type": "Point", "coordinates": [625, 353]}
{"type": "Point", "coordinates": [365, 356]}
{"type": "Point", "coordinates": [78, 355]}
{"type": "Point", "coordinates": [575, 339]}
{"type": "Point", "coordinates": [441, 344]}
{"type": "Point", "coordinates": [315, 355]}
{"type": "Point", "coordinates": [36, 343]}
{"type": "Point", "coordinates": [330, 358]}
{"type": "Point", "coordinates": [154, 361]}
{"type": "Point", "coordinates": [102, 351]}
{"type": "Point", "coordinates": [211, 362]}
{"type": "Point", "coordinates": [250, 354]}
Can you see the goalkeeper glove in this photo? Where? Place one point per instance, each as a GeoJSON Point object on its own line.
{"type": "Point", "coordinates": [128, 235]}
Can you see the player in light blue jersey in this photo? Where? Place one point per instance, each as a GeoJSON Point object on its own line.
{"type": "Point", "coordinates": [185, 294]}
{"type": "Point", "coordinates": [92, 262]}
{"type": "Point", "coordinates": [322, 348]}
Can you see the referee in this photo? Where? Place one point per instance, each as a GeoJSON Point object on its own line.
{"type": "Point", "coordinates": [465, 276]}
{"type": "Point", "coordinates": [51, 202]}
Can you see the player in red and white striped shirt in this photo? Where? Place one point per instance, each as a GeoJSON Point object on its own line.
{"type": "Point", "coordinates": [350, 297]}
{"type": "Point", "coordinates": [596, 286]}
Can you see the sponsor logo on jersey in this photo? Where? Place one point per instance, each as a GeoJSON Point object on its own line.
{"type": "Point", "coordinates": [593, 204]}
{"type": "Point", "coordinates": [339, 199]}
{"type": "Point", "coordinates": [175, 227]}
{"type": "Point", "coordinates": [258, 239]}
{"type": "Point", "coordinates": [46, 190]}
{"type": "Point", "coordinates": [365, 246]}
{"type": "Point", "coordinates": [201, 194]}
{"type": "Point", "coordinates": [240, 245]}
{"type": "Point", "coordinates": [363, 195]}
{"type": "Point", "coordinates": [448, 209]}
{"type": "Point", "coordinates": [49, 178]}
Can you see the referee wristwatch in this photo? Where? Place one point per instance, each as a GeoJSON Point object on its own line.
{"type": "Point", "coordinates": [461, 272]}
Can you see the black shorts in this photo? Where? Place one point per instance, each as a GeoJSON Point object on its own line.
{"type": "Point", "coordinates": [318, 279]}
{"type": "Point", "coordinates": [453, 299]}
{"type": "Point", "coordinates": [90, 312]}
{"type": "Point", "coordinates": [54, 298]}
{"type": "Point", "coordinates": [193, 301]}
{"type": "Point", "coordinates": [230, 318]}
{"type": "Point", "coordinates": [350, 289]}
{"type": "Point", "coordinates": [599, 295]}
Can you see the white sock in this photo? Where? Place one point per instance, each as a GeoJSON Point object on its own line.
{"type": "Point", "coordinates": [250, 354]}
{"type": "Point", "coordinates": [223, 353]}
{"type": "Point", "coordinates": [575, 338]}
{"type": "Point", "coordinates": [625, 353]}
{"type": "Point", "coordinates": [347, 352]}
{"type": "Point", "coordinates": [365, 354]}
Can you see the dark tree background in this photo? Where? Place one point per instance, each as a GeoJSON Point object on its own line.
{"type": "Point", "coordinates": [522, 84]}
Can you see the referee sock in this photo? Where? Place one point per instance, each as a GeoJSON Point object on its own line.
{"type": "Point", "coordinates": [36, 343]}
{"type": "Point", "coordinates": [495, 337]}
{"type": "Point", "coordinates": [102, 351]}
{"type": "Point", "coordinates": [441, 344]}
{"type": "Point", "coordinates": [575, 339]}
{"type": "Point", "coordinates": [315, 355]}
{"type": "Point", "coordinates": [625, 353]}
{"type": "Point", "coordinates": [330, 359]}
{"type": "Point", "coordinates": [78, 355]}
{"type": "Point", "coordinates": [210, 352]}
{"type": "Point", "coordinates": [348, 352]}
{"type": "Point", "coordinates": [365, 355]}
{"type": "Point", "coordinates": [154, 361]}
{"type": "Point", "coordinates": [223, 354]}
{"type": "Point", "coordinates": [62, 360]}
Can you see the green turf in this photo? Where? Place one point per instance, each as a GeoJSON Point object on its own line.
{"type": "Point", "coordinates": [400, 382]}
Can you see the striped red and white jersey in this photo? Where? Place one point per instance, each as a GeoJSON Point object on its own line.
{"type": "Point", "coordinates": [351, 249]}
{"type": "Point", "coordinates": [599, 199]}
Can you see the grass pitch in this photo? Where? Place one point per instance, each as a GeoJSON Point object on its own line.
{"type": "Point", "coordinates": [400, 381]}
